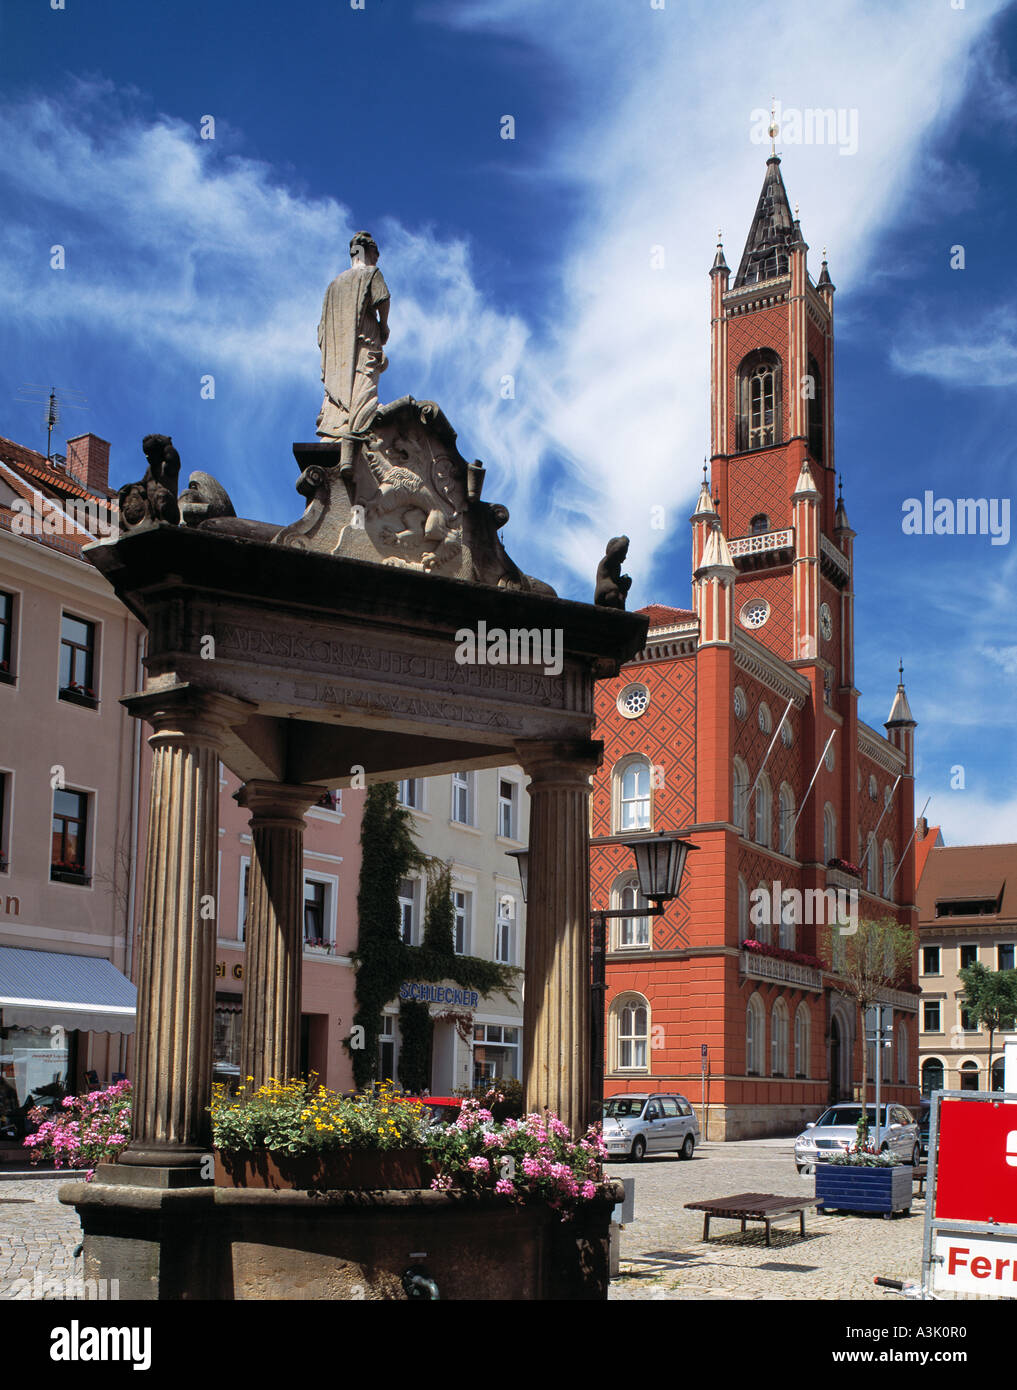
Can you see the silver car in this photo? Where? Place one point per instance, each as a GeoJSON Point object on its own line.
{"type": "Point", "coordinates": [638, 1124]}
{"type": "Point", "coordinates": [837, 1129]}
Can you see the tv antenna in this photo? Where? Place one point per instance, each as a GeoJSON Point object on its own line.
{"type": "Point", "coordinates": [54, 400]}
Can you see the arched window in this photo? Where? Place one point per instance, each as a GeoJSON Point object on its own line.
{"type": "Point", "coordinates": [764, 811]}
{"type": "Point", "coordinates": [815, 411]}
{"type": "Point", "coordinates": [630, 1014]}
{"type": "Point", "coordinates": [778, 1039]}
{"type": "Point", "coordinates": [763, 929]}
{"type": "Point", "coordinates": [744, 931]}
{"type": "Point", "coordinates": [740, 807]}
{"type": "Point", "coordinates": [632, 794]}
{"type": "Point", "coordinates": [755, 1036]}
{"type": "Point", "coordinates": [829, 833]}
{"type": "Point", "coordinates": [803, 1040]}
{"type": "Point", "coordinates": [786, 938]}
{"type": "Point", "coordinates": [634, 930]}
{"type": "Point", "coordinates": [997, 1074]}
{"type": "Point", "coordinates": [932, 1075]}
{"type": "Point", "coordinates": [872, 865]}
{"type": "Point", "coordinates": [969, 1076]}
{"type": "Point", "coordinates": [786, 821]}
{"type": "Point", "coordinates": [760, 405]}
{"type": "Point", "coordinates": [888, 869]}
{"type": "Point", "coordinates": [902, 1052]}
{"type": "Point", "coordinates": [759, 524]}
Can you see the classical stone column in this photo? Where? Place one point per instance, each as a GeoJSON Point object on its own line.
{"type": "Point", "coordinates": [270, 1026]}
{"type": "Point", "coordinates": [176, 981]}
{"type": "Point", "coordinates": [556, 1007]}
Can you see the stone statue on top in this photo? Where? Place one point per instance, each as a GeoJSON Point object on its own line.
{"type": "Point", "coordinates": [352, 336]}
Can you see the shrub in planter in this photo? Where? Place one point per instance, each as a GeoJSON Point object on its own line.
{"type": "Point", "coordinates": [299, 1134]}
{"type": "Point", "coordinates": [533, 1159]}
{"type": "Point", "coordinates": [89, 1130]}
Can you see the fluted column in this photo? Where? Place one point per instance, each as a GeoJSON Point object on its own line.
{"type": "Point", "coordinates": [176, 980]}
{"type": "Point", "coordinates": [270, 1025]}
{"type": "Point", "coordinates": [556, 1008]}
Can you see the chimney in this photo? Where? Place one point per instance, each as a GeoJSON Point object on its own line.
{"type": "Point", "coordinates": [88, 462]}
{"type": "Point", "coordinates": [922, 828]}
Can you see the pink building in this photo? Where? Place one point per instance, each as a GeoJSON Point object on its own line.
{"type": "Point", "coordinates": [70, 781]}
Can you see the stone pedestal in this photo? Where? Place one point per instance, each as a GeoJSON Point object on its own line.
{"type": "Point", "coordinates": [253, 1244]}
{"type": "Point", "coordinates": [270, 1024]}
{"type": "Point", "coordinates": [176, 982]}
{"type": "Point", "coordinates": [556, 1009]}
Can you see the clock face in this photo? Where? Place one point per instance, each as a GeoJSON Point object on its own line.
{"type": "Point", "coordinates": [825, 621]}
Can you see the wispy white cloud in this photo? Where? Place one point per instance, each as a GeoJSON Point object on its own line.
{"type": "Point", "coordinates": [192, 261]}
{"type": "Point", "coordinates": [981, 353]}
{"type": "Point", "coordinates": [972, 818]}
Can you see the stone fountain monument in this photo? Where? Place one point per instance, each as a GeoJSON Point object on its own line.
{"type": "Point", "coordinates": [294, 654]}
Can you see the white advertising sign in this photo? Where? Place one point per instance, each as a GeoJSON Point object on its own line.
{"type": "Point", "coordinates": [976, 1264]}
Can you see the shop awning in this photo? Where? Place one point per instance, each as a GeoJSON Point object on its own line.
{"type": "Point", "coordinates": [42, 989]}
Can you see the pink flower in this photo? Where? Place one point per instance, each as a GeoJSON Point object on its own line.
{"type": "Point", "coordinates": [443, 1183]}
{"type": "Point", "coordinates": [588, 1190]}
{"type": "Point", "coordinates": [505, 1187]}
{"type": "Point", "coordinates": [492, 1140]}
{"type": "Point", "coordinates": [479, 1164]}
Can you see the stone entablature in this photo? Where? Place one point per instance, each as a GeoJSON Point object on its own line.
{"type": "Point", "coordinates": [880, 750]}
{"type": "Point", "coordinates": [758, 661]}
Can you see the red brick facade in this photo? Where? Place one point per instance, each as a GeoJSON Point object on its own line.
{"type": "Point", "coordinates": [696, 721]}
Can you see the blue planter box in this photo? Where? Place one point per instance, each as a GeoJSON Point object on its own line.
{"type": "Point", "coordinates": [843, 1188]}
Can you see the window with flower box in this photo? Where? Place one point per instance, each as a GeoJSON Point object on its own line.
{"type": "Point", "coordinates": [68, 861]}
{"type": "Point", "coordinates": [319, 914]}
{"type": "Point", "coordinates": [495, 1053]}
{"type": "Point", "coordinates": [77, 661]}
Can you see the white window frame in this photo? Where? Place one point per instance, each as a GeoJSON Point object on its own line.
{"type": "Point", "coordinates": [413, 902]}
{"type": "Point", "coordinates": [778, 1039]}
{"type": "Point", "coordinates": [632, 764]}
{"type": "Point", "coordinates": [411, 786]}
{"type": "Point", "coordinates": [803, 1040]}
{"type": "Point", "coordinates": [330, 913]}
{"type": "Point", "coordinates": [505, 915]}
{"type": "Point", "coordinates": [464, 790]}
{"type": "Point", "coordinates": [509, 804]}
{"type": "Point", "coordinates": [631, 933]}
{"type": "Point", "coordinates": [635, 1041]}
{"type": "Point", "coordinates": [755, 1035]}
{"type": "Point", "coordinates": [462, 912]}
{"type": "Point", "coordinates": [389, 1033]}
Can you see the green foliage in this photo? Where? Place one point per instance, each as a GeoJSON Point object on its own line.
{"type": "Point", "coordinates": [382, 958]}
{"type": "Point", "coordinates": [301, 1117]}
{"type": "Point", "coordinates": [991, 997]}
{"type": "Point", "coordinates": [415, 1031]}
{"type": "Point", "coordinates": [389, 854]}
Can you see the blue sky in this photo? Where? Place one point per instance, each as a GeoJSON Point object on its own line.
{"type": "Point", "coordinates": [532, 257]}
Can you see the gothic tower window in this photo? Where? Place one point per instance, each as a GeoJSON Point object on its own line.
{"type": "Point", "coordinates": [759, 524]}
{"type": "Point", "coordinates": [760, 406]}
{"type": "Point", "coordinates": [815, 411]}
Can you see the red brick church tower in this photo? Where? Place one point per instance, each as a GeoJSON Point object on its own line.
{"type": "Point", "coordinates": [738, 725]}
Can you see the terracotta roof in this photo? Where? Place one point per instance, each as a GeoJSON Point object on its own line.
{"type": "Point", "coordinates": [42, 473]}
{"type": "Point", "coordinates": [957, 872]}
{"type": "Point", "coordinates": [924, 847]}
{"type": "Point", "coordinates": [660, 615]}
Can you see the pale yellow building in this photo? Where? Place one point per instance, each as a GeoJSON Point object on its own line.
{"type": "Point", "coordinates": [473, 820]}
{"type": "Point", "coordinates": [967, 912]}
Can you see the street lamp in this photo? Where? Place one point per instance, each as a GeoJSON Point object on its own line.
{"type": "Point", "coordinates": [660, 866]}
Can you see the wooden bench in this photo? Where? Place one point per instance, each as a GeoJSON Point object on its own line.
{"type": "Point", "coordinates": [919, 1175]}
{"type": "Point", "coordinates": [752, 1206]}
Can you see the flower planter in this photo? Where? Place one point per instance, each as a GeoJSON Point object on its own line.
{"type": "Point", "coordinates": [844, 1187]}
{"type": "Point", "coordinates": [343, 1169]}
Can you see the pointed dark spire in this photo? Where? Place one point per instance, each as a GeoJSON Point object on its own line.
{"type": "Point", "coordinates": [824, 282]}
{"type": "Point", "coordinates": [719, 263]}
{"type": "Point", "coordinates": [773, 229]}
{"type": "Point", "coordinates": [841, 522]}
{"type": "Point", "coordinates": [900, 712]}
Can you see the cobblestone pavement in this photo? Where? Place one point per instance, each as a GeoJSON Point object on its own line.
{"type": "Point", "coordinates": [663, 1255]}
{"type": "Point", "coordinates": [37, 1235]}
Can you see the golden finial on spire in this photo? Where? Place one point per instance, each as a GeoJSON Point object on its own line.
{"type": "Point", "coordinates": [774, 127]}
